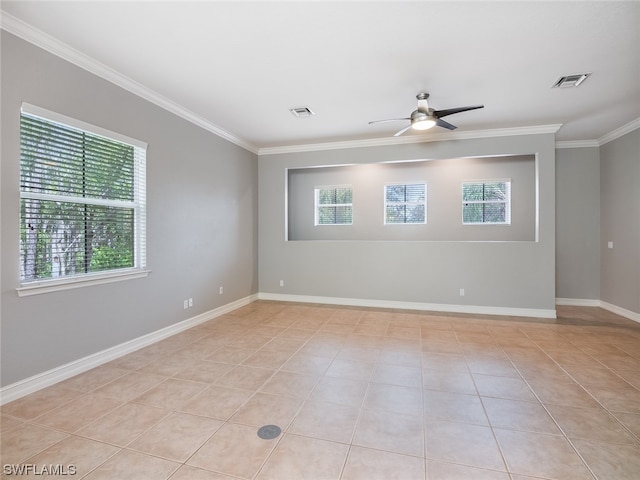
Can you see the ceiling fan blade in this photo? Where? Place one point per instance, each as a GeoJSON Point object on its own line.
{"type": "Point", "coordinates": [443, 124]}
{"type": "Point", "coordinates": [397, 134]}
{"type": "Point", "coordinates": [451, 111]}
{"type": "Point", "coordinates": [389, 120]}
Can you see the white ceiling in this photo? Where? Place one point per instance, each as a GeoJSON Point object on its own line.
{"type": "Point", "coordinates": [239, 67]}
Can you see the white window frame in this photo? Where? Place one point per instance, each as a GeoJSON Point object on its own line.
{"type": "Point", "coordinates": [405, 204]}
{"type": "Point", "coordinates": [506, 202]}
{"type": "Point", "coordinates": [138, 205]}
{"type": "Point", "coordinates": [317, 205]}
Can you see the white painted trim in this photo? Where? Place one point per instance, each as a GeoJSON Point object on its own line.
{"type": "Point", "coordinates": [577, 144]}
{"type": "Point", "coordinates": [436, 137]}
{"type": "Point", "coordinates": [619, 132]}
{"type": "Point", "coordinates": [584, 302]}
{"type": "Point", "coordinates": [56, 117]}
{"type": "Point", "coordinates": [436, 307]}
{"type": "Point", "coordinates": [623, 312]}
{"type": "Point", "coordinates": [578, 302]}
{"type": "Point", "coordinates": [87, 280]}
{"type": "Point", "coordinates": [606, 138]}
{"type": "Point", "coordinates": [54, 46]}
{"type": "Point", "coordinates": [45, 379]}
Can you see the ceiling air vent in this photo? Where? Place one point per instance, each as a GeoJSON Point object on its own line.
{"type": "Point", "coordinates": [302, 112]}
{"type": "Point", "coordinates": [569, 81]}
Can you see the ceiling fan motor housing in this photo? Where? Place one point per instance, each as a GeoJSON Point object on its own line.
{"type": "Point", "coordinates": [422, 120]}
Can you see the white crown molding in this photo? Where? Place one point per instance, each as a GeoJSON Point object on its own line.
{"type": "Point", "coordinates": [609, 137]}
{"type": "Point", "coordinates": [437, 137]}
{"type": "Point", "coordinates": [37, 37]}
{"type": "Point", "coordinates": [619, 132]}
{"type": "Point", "coordinates": [45, 379]}
{"type": "Point", "coordinates": [577, 144]}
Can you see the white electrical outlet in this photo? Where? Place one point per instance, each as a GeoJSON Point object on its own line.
{"type": "Point", "coordinates": [221, 291]}
{"type": "Point", "coordinates": [609, 244]}
{"type": "Point", "coordinates": [282, 283]}
{"type": "Point", "coordinates": [191, 302]}
{"type": "Point", "coordinates": [462, 292]}
{"type": "Point", "coordinates": [185, 304]}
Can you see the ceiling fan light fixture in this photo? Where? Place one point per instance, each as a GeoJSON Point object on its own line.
{"type": "Point", "coordinates": [423, 123]}
{"type": "Point", "coordinates": [426, 117]}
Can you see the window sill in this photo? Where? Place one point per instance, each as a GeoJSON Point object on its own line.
{"type": "Point", "coordinates": [48, 286]}
{"type": "Point", "coordinates": [503, 224]}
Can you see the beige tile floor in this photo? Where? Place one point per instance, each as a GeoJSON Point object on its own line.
{"type": "Point", "coordinates": [359, 394]}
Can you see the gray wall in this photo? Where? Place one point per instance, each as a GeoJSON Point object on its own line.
{"type": "Point", "coordinates": [620, 222]}
{"type": "Point", "coordinates": [203, 216]}
{"type": "Point", "coordinates": [522, 273]}
{"type": "Point", "coordinates": [578, 223]}
{"type": "Point", "coordinates": [201, 220]}
{"type": "Point", "coordinates": [444, 203]}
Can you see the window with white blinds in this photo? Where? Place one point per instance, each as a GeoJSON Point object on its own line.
{"type": "Point", "coordinates": [405, 203]}
{"type": "Point", "coordinates": [82, 199]}
{"type": "Point", "coordinates": [334, 205]}
{"type": "Point", "coordinates": [486, 202]}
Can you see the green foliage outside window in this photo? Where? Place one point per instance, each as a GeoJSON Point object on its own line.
{"type": "Point", "coordinates": [334, 206]}
{"type": "Point", "coordinates": [405, 203]}
{"type": "Point", "coordinates": [77, 201]}
{"type": "Point", "coordinates": [485, 202]}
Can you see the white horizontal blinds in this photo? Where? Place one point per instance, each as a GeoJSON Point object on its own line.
{"type": "Point", "coordinates": [405, 203]}
{"type": "Point", "coordinates": [60, 160]}
{"type": "Point", "coordinates": [82, 201]}
{"type": "Point", "coordinates": [334, 205]}
{"type": "Point", "coordinates": [486, 202]}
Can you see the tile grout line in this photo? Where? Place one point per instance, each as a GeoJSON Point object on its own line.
{"type": "Point", "coordinates": [484, 409]}
{"type": "Point", "coordinates": [247, 326]}
{"type": "Point", "coordinates": [557, 424]}
{"type": "Point", "coordinates": [302, 403]}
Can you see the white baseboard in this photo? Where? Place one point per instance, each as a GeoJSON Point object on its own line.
{"type": "Point", "coordinates": [578, 302]}
{"type": "Point", "coordinates": [45, 379]}
{"type": "Point", "coordinates": [437, 307]}
{"type": "Point", "coordinates": [582, 302]}
{"type": "Point", "coordinates": [623, 312]}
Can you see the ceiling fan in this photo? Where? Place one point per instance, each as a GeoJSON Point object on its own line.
{"type": "Point", "coordinates": [425, 117]}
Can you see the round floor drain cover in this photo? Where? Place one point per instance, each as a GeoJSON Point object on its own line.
{"type": "Point", "coordinates": [269, 431]}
